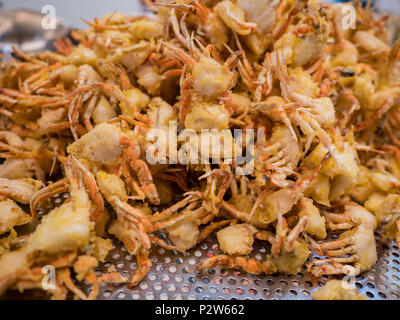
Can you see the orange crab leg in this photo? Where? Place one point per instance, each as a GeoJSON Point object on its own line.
{"type": "Point", "coordinates": [294, 234]}
{"type": "Point", "coordinates": [212, 227]}
{"type": "Point", "coordinates": [46, 193]}
{"type": "Point", "coordinates": [163, 244]}
{"type": "Point", "coordinates": [249, 265]}
{"type": "Point", "coordinates": [144, 265]}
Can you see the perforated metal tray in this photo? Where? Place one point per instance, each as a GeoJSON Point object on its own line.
{"type": "Point", "coordinates": [173, 276]}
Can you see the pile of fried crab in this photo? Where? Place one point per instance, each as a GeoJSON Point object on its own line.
{"type": "Point", "coordinates": [324, 102]}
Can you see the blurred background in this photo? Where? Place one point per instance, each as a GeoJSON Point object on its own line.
{"type": "Point", "coordinates": [21, 21]}
{"type": "Point", "coordinates": [73, 10]}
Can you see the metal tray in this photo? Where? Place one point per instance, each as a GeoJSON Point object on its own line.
{"type": "Point", "coordinates": [173, 276]}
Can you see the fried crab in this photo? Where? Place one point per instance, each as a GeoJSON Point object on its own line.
{"type": "Point", "coordinates": [324, 159]}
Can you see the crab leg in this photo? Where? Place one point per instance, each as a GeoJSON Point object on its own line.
{"type": "Point", "coordinates": [340, 252]}
{"type": "Point", "coordinates": [281, 231]}
{"type": "Point", "coordinates": [132, 212]}
{"type": "Point", "coordinates": [142, 170]}
{"type": "Point", "coordinates": [336, 244]}
{"type": "Point", "coordinates": [249, 265]}
{"type": "Point", "coordinates": [46, 193]}
{"type": "Point", "coordinates": [212, 227]}
{"type": "Point", "coordinates": [93, 189]}
{"type": "Point", "coordinates": [163, 244]}
{"type": "Point", "coordinates": [165, 214]}
{"type": "Point", "coordinates": [65, 278]}
{"type": "Point", "coordinates": [294, 234]}
{"type": "Point", "coordinates": [144, 265]}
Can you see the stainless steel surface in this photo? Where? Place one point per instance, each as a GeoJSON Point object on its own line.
{"type": "Point", "coordinates": [172, 276]}
{"type": "Point", "coordinates": [23, 28]}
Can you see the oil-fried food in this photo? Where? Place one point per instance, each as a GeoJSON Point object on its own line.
{"type": "Point", "coordinates": [323, 102]}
